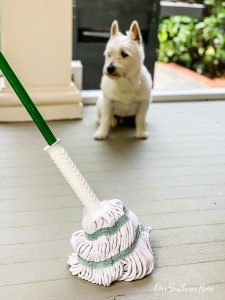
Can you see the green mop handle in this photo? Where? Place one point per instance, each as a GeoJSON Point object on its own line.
{"type": "Point", "coordinates": [26, 100]}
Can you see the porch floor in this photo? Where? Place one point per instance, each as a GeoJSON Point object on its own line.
{"type": "Point", "coordinates": [174, 181]}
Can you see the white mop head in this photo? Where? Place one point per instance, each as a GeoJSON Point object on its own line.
{"type": "Point", "coordinates": [111, 247]}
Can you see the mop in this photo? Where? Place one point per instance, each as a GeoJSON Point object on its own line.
{"type": "Point", "coordinates": [112, 246]}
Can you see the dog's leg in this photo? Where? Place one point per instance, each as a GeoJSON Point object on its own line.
{"type": "Point", "coordinates": [104, 126]}
{"type": "Point", "coordinates": [141, 132]}
{"type": "Point", "coordinates": [99, 108]}
{"type": "Point", "coordinates": [114, 122]}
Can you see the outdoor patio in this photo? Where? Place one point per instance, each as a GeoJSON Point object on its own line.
{"type": "Point", "coordinates": [171, 76]}
{"type": "Point", "coordinates": [174, 181]}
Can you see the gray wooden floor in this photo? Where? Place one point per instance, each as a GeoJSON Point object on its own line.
{"type": "Point", "coordinates": [175, 182]}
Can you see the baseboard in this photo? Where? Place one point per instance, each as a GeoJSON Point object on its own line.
{"type": "Point", "coordinates": [49, 112]}
{"type": "Point", "coordinates": [55, 103]}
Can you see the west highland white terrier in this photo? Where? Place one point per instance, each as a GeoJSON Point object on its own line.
{"type": "Point", "coordinates": [126, 84]}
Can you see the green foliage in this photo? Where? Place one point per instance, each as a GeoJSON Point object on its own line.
{"type": "Point", "coordinates": [196, 44]}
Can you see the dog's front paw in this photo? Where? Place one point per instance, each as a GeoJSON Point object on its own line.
{"type": "Point", "coordinates": [142, 135]}
{"type": "Point", "coordinates": [100, 135]}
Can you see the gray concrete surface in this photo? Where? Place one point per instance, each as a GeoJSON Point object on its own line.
{"type": "Point", "coordinates": [174, 182]}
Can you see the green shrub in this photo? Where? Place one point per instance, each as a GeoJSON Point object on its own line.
{"type": "Point", "coordinates": [196, 44]}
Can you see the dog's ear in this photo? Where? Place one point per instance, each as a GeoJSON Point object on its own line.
{"type": "Point", "coordinates": [135, 32]}
{"type": "Point", "coordinates": [114, 28]}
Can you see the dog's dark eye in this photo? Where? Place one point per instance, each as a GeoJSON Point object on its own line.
{"type": "Point", "coordinates": [124, 54]}
{"type": "Point", "coordinates": [109, 54]}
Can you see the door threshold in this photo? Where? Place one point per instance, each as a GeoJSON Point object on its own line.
{"type": "Point", "coordinates": [205, 94]}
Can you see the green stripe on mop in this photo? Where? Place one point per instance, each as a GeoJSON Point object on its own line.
{"type": "Point", "coordinates": [109, 230]}
{"type": "Point", "coordinates": [119, 256]}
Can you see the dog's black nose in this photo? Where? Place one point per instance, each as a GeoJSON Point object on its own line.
{"type": "Point", "coordinates": [111, 69]}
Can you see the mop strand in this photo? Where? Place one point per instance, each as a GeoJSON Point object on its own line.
{"type": "Point", "coordinates": [112, 245]}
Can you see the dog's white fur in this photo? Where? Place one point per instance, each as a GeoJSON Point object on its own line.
{"type": "Point", "coordinates": [126, 89]}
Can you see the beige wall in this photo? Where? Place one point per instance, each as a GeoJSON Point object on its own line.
{"type": "Point", "coordinates": [37, 39]}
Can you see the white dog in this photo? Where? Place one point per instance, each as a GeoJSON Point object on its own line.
{"type": "Point", "coordinates": [126, 84]}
